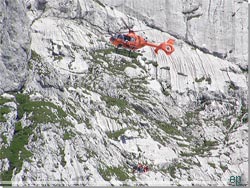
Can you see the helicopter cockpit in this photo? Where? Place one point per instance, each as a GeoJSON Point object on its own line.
{"type": "Point", "coordinates": [119, 36]}
{"type": "Point", "coordinates": [125, 38]}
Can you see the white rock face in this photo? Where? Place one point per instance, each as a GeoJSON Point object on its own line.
{"type": "Point", "coordinates": [14, 45]}
{"type": "Point", "coordinates": [134, 72]}
{"type": "Point", "coordinates": [87, 115]}
{"type": "Point", "coordinates": [217, 27]}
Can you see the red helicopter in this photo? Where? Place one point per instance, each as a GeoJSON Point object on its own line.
{"type": "Point", "coordinates": [133, 42]}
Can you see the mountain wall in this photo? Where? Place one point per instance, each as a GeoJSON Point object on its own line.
{"type": "Point", "coordinates": [14, 45]}
{"type": "Point", "coordinates": [84, 114]}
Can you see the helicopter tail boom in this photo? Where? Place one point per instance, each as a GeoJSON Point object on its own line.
{"type": "Point", "coordinates": [167, 47]}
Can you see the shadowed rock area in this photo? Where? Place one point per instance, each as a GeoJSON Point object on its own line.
{"type": "Point", "coordinates": [14, 45]}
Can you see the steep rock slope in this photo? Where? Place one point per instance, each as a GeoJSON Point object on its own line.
{"type": "Point", "coordinates": [216, 27]}
{"type": "Point", "coordinates": [87, 115]}
{"type": "Point", "coordinates": [14, 45]}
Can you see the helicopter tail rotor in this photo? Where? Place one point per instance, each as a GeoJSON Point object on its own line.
{"type": "Point", "coordinates": [167, 47]}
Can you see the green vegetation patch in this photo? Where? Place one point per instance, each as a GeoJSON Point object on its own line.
{"type": "Point", "coordinates": [168, 128]}
{"type": "Point", "coordinates": [243, 114]}
{"type": "Point", "coordinates": [16, 153]}
{"type": "Point", "coordinates": [41, 111]}
{"type": "Point", "coordinates": [173, 168]}
{"type": "Point", "coordinates": [99, 56]}
{"type": "Point", "coordinates": [121, 66]}
{"type": "Point", "coordinates": [136, 62]}
{"type": "Point", "coordinates": [125, 52]}
{"type": "Point", "coordinates": [108, 172]}
{"type": "Point", "coordinates": [199, 150]}
{"type": "Point", "coordinates": [120, 51]}
{"type": "Point", "coordinates": [68, 135]}
{"type": "Point", "coordinates": [35, 56]}
{"type": "Point", "coordinates": [182, 145]}
{"type": "Point", "coordinates": [104, 51]}
{"type": "Point", "coordinates": [3, 110]}
{"type": "Point", "coordinates": [223, 167]}
{"type": "Point", "coordinates": [4, 138]}
{"type": "Point", "coordinates": [155, 136]}
{"type": "Point", "coordinates": [185, 154]}
{"type": "Point", "coordinates": [62, 154]}
{"type": "Point", "coordinates": [88, 124]}
{"type": "Point", "coordinates": [211, 164]}
{"type": "Point", "coordinates": [90, 153]}
{"type": "Point", "coordinates": [227, 123]}
{"type": "Point", "coordinates": [115, 135]}
{"type": "Point", "coordinates": [110, 101]}
{"type": "Point", "coordinates": [205, 147]}
{"type": "Point", "coordinates": [192, 117]}
{"type": "Point", "coordinates": [4, 100]}
{"type": "Point", "coordinates": [115, 67]}
{"type": "Point", "coordinates": [181, 166]}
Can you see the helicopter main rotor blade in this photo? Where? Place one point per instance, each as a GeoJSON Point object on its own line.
{"type": "Point", "coordinates": [110, 32]}
{"type": "Point", "coordinates": [129, 28]}
{"type": "Point", "coordinates": [142, 30]}
{"type": "Point", "coordinates": [135, 30]}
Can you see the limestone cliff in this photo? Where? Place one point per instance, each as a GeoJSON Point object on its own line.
{"type": "Point", "coordinates": [14, 45]}
{"type": "Point", "coordinates": [82, 114]}
{"type": "Point", "coordinates": [216, 27]}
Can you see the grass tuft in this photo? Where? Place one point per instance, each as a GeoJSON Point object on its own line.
{"type": "Point", "coordinates": [68, 135]}
{"type": "Point", "coordinates": [3, 110]}
{"type": "Point", "coordinates": [212, 165]}
{"type": "Point", "coordinates": [168, 128]}
{"type": "Point", "coordinates": [4, 100]}
{"type": "Point", "coordinates": [35, 56]}
{"type": "Point", "coordinates": [110, 101]}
